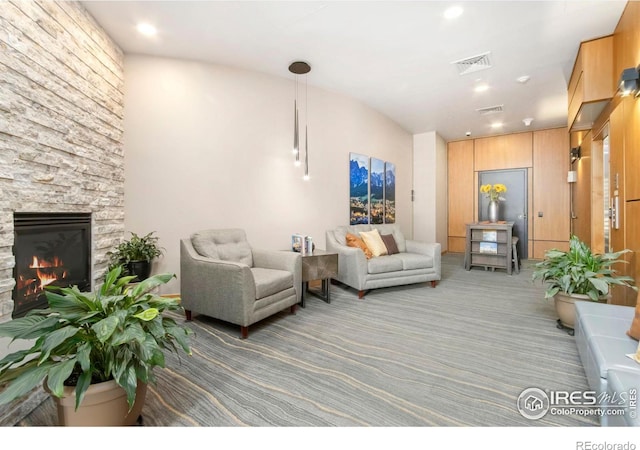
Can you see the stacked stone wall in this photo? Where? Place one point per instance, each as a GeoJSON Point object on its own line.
{"type": "Point", "coordinates": [61, 125]}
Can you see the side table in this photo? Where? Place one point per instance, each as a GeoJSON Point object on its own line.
{"type": "Point", "coordinates": [320, 265]}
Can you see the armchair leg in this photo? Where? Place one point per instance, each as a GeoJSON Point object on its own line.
{"type": "Point", "coordinates": [361, 294]}
{"type": "Point", "coordinates": [294, 308]}
{"type": "Point", "coordinates": [187, 314]}
{"type": "Point", "coordinates": [244, 332]}
{"type": "Point", "coordinates": [433, 283]}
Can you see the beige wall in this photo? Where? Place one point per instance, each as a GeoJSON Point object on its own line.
{"type": "Point", "coordinates": [209, 146]}
{"type": "Point", "coordinates": [430, 188]}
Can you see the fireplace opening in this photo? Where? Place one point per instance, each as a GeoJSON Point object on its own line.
{"type": "Point", "coordinates": [50, 249]}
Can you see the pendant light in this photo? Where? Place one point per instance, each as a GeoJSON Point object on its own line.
{"type": "Point", "coordinates": [300, 68]}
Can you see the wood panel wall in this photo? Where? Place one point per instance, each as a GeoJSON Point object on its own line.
{"type": "Point", "coordinates": [548, 190]}
{"type": "Point", "coordinates": [503, 152]}
{"type": "Point", "coordinates": [621, 117]}
{"type": "Point", "coordinates": [461, 190]}
{"type": "Point", "coordinates": [581, 190]}
{"type": "Point", "coordinates": [551, 192]}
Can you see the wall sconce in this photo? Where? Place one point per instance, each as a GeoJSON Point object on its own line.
{"type": "Point", "coordinates": [629, 82]}
{"type": "Point", "coordinates": [575, 154]}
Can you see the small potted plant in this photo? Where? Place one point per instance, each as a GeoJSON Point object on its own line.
{"type": "Point", "coordinates": [94, 352]}
{"type": "Point", "coordinates": [578, 274]}
{"type": "Point", "coordinates": [136, 255]}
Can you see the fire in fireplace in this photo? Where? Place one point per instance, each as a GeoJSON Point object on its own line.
{"type": "Point", "coordinates": [50, 249]}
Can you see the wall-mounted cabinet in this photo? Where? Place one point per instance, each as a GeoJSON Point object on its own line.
{"type": "Point", "coordinates": [592, 83]}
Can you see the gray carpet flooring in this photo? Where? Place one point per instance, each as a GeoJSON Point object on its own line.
{"type": "Point", "coordinates": [412, 356]}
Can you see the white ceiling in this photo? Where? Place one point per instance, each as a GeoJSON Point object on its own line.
{"type": "Point", "coordinates": [395, 56]}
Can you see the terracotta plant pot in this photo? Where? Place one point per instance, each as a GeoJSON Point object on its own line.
{"type": "Point", "coordinates": [565, 307]}
{"type": "Point", "coordinates": [104, 404]}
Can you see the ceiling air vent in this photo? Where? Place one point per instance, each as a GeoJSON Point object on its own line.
{"type": "Point", "coordinates": [490, 110]}
{"type": "Point", "coordinates": [473, 64]}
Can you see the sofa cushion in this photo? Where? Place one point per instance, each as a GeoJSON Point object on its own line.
{"type": "Point", "coordinates": [374, 242]}
{"type": "Point", "coordinates": [634, 331]}
{"type": "Point", "coordinates": [355, 241]}
{"type": "Point", "coordinates": [271, 281]}
{"type": "Point", "coordinates": [227, 245]}
{"type": "Point", "coordinates": [394, 229]}
{"type": "Point", "coordinates": [412, 261]}
{"type": "Point", "coordinates": [390, 243]}
{"type": "Point", "coordinates": [384, 264]}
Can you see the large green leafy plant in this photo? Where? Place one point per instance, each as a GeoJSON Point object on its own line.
{"type": "Point", "coordinates": [580, 271]}
{"type": "Point", "coordinates": [119, 332]}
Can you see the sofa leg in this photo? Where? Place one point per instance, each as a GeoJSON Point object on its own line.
{"type": "Point", "coordinates": [244, 332]}
{"type": "Point", "coordinates": [294, 308]}
{"type": "Point", "coordinates": [187, 314]}
{"type": "Point", "coordinates": [433, 283]}
{"type": "Point", "coordinates": [361, 294]}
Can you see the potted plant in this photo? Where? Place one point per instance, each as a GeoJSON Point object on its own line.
{"type": "Point", "coordinates": [136, 255]}
{"type": "Point", "coordinates": [105, 343]}
{"type": "Point", "coordinates": [578, 274]}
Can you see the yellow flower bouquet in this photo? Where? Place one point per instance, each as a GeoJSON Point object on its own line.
{"type": "Point", "coordinates": [493, 192]}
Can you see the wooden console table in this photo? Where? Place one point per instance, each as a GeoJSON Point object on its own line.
{"type": "Point", "coordinates": [489, 245]}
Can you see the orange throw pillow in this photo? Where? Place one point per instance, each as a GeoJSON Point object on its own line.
{"type": "Point", "coordinates": [634, 331]}
{"type": "Point", "coordinates": [355, 241]}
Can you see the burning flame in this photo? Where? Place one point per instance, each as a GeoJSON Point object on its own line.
{"type": "Point", "coordinates": [44, 273]}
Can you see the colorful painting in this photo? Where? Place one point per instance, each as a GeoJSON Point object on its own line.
{"type": "Point", "coordinates": [358, 188]}
{"type": "Point", "coordinates": [376, 191]}
{"type": "Point", "coordinates": [389, 192]}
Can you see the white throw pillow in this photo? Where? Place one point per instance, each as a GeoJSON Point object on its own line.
{"type": "Point", "coordinates": [374, 242]}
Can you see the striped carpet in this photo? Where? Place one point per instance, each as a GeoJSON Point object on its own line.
{"type": "Point", "coordinates": [412, 356]}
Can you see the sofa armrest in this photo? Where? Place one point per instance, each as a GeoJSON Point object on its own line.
{"type": "Point", "coordinates": [281, 260]}
{"type": "Point", "coordinates": [352, 263]}
{"type": "Point", "coordinates": [222, 289]}
{"type": "Point", "coordinates": [433, 249]}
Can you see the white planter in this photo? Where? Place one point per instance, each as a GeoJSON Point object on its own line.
{"type": "Point", "coordinates": [565, 307]}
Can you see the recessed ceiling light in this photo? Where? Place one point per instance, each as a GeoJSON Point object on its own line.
{"type": "Point", "coordinates": [523, 79]}
{"type": "Point", "coordinates": [147, 29]}
{"type": "Point", "coordinates": [496, 125]}
{"type": "Point", "coordinates": [482, 87]}
{"type": "Point", "coordinates": [453, 12]}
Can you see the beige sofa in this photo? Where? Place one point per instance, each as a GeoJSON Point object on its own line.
{"type": "Point", "coordinates": [416, 262]}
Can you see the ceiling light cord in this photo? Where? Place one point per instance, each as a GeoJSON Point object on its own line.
{"type": "Point", "coordinates": [296, 127]}
{"type": "Point", "coordinates": [306, 131]}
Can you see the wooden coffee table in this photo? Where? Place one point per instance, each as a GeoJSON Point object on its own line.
{"type": "Point", "coordinates": [321, 265]}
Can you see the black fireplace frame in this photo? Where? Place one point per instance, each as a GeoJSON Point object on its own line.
{"type": "Point", "coordinates": [28, 222]}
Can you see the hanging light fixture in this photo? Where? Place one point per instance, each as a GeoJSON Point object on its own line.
{"type": "Point", "coordinates": [300, 68]}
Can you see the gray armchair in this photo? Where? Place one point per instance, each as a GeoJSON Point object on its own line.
{"type": "Point", "coordinates": [222, 277]}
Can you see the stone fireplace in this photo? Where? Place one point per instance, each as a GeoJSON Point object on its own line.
{"type": "Point", "coordinates": [61, 126]}
{"type": "Point", "coordinates": [61, 147]}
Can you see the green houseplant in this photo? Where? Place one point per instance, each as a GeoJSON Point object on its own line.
{"type": "Point", "coordinates": [578, 274]}
{"type": "Point", "coordinates": [117, 335]}
{"type": "Point", "coordinates": [136, 255]}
